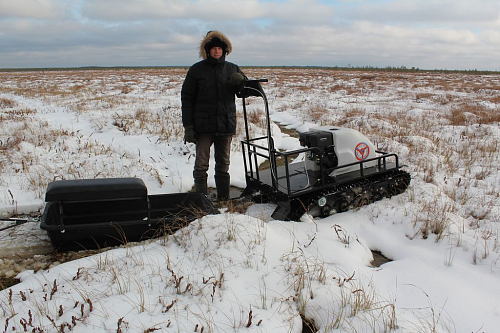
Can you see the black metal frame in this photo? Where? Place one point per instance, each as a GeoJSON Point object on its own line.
{"type": "Point", "coordinates": [251, 151]}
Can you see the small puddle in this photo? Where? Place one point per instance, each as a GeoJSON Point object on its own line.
{"type": "Point", "coordinates": [308, 325]}
{"type": "Point", "coordinates": [7, 282]}
{"type": "Point", "coordinates": [379, 259]}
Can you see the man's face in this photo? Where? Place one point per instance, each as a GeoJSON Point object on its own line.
{"type": "Point", "coordinates": [216, 52]}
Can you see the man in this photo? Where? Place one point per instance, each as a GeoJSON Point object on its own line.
{"type": "Point", "coordinates": [209, 110]}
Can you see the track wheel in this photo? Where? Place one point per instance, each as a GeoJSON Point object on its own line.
{"type": "Point", "coordinates": [296, 214]}
{"type": "Point", "coordinates": [343, 206]}
{"type": "Point", "coordinates": [326, 210]}
{"type": "Point", "coordinates": [398, 187]}
{"type": "Point", "coordinates": [362, 200]}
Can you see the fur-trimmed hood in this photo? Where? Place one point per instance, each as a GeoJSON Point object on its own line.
{"type": "Point", "coordinates": [208, 38]}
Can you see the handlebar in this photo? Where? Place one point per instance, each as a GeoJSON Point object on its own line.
{"type": "Point", "coordinates": [256, 80]}
{"type": "Point", "coordinates": [251, 88]}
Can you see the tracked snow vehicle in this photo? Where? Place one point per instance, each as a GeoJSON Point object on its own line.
{"type": "Point", "coordinates": [336, 170]}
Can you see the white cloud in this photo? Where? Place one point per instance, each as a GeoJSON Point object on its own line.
{"type": "Point", "coordinates": [302, 12]}
{"type": "Point", "coordinates": [425, 34]}
{"type": "Point", "coordinates": [427, 11]}
{"type": "Point", "coordinates": [131, 10]}
{"type": "Point", "coordinates": [296, 11]}
{"type": "Point", "coordinates": [41, 9]}
{"type": "Point", "coordinates": [491, 38]}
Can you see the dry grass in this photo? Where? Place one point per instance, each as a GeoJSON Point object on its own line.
{"type": "Point", "coordinates": [441, 124]}
{"type": "Point", "coordinates": [7, 103]}
{"type": "Point", "coordinates": [466, 114]}
{"type": "Point", "coordinates": [317, 112]}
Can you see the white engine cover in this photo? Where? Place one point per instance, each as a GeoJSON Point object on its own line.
{"type": "Point", "coordinates": [350, 146]}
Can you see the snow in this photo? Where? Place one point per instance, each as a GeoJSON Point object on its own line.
{"type": "Point", "coordinates": [237, 272]}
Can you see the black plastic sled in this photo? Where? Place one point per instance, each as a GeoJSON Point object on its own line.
{"type": "Point", "coordinates": [95, 213]}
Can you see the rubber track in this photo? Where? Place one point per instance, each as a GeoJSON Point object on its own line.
{"type": "Point", "coordinates": [356, 194]}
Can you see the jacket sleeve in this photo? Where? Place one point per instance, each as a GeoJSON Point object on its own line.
{"type": "Point", "coordinates": [241, 72]}
{"type": "Point", "coordinates": [237, 89]}
{"type": "Point", "coordinates": [188, 97]}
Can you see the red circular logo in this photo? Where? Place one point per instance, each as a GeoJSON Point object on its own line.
{"type": "Point", "coordinates": [362, 151]}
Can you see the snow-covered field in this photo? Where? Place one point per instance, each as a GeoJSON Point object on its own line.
{"type": "Point", "coordinates": [246, 272]}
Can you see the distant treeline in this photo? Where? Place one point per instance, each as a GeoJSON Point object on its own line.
{"type": "Point", "coordinates": [84, 68]}
{"type": "Point", "coordinates": [387, 69]}
{"type": "Point", "coordinates": [402, 69]}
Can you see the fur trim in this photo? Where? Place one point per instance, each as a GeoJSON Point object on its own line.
{"type": "Point", "coordinates": [208, 38]}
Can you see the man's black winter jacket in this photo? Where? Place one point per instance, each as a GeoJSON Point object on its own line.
{"type": "Point", "coordinates": [208, 99]}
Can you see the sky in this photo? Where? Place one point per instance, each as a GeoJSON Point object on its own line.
{"type": "Point", "coordinates": [425, 34]}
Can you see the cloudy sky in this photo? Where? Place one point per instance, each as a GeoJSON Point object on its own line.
{"type": "Point", "coordinates": [426, 34]}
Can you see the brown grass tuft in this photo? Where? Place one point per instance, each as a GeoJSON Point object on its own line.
{"type": "Point", "coordinates": [7, 103]}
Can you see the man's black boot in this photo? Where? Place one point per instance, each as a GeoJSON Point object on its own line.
{"type": "Point", "coordinates": [200, 186]}
{"type": "Point", "coordinates": [222, 185]}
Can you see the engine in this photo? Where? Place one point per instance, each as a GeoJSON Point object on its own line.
{"type": "Point", "coordinates": [337, 147]}
{"type": "Point", "coordinates": [325, 154]}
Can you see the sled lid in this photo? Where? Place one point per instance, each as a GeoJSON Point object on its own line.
{"type": "Point", "coordinates": [95, 189]}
